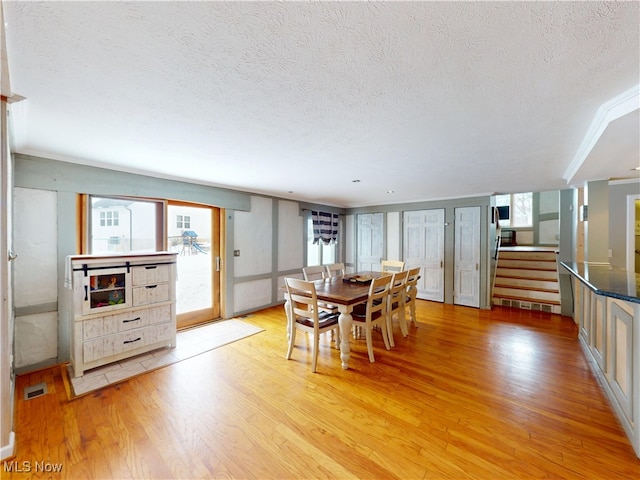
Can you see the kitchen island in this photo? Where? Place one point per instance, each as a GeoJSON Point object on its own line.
{"type": "Point", "coordinates": [607, 310]}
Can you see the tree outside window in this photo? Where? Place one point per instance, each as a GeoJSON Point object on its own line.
{"type": "Point", "coordinates": [520, 209]}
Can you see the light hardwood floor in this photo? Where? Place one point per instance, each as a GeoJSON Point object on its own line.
{"type": "Point", "coordinates": [470, 394]}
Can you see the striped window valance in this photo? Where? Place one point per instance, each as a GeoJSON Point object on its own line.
{"type": "Point", "coordinates": [325, 227]}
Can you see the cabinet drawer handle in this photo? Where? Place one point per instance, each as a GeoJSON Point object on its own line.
{"type": "Point", "coordinates": [151, 286]}
{"type": "Point", "coordinates": [86, 296]}
{"type": "Point", "coordinates": [132, 341]}
{"type": "Point", "coordinates": [131, 320]}
{"type": "Point", "coordinates": [151, 267]}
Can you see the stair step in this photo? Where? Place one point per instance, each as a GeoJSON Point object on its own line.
{"type": "Point", "coordinates": [527, 264]}
{"type": "Point", "coordinates": [529, 289]}
{"type": "Point", "coordinates": [527, 295]}
{"type": "Point", "coordinates": [527, 278]}
{"type": "Point", "coordinates": [544, 256]}
{"type": "Point", "coordinates": [527, 284]}
{"type": "Point", "coordinates": [526, 273]}
{"type": "Point", "coordinates": [496, 300]}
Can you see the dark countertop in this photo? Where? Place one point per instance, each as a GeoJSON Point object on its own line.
{"type": "Point", "coordinates": [607, 281]}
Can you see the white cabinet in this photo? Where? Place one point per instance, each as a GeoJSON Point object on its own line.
{"type": "Point", "coordinates": [607, 310]}
{"type": "Point", "coordinates": [122, 306]}
{"type": "Point", "coordinates": [610, 337]}
{"type": "Point", "coordinates": [622, 373]}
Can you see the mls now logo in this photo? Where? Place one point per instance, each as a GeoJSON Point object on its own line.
{"type": "Point", "coordinates": [28, 467]}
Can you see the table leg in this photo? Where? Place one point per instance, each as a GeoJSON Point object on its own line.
{"type": "Point", "coordinates": [345, 320]}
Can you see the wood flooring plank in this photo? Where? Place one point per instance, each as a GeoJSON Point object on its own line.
{"type": "Point", "coordinates": [469, 394]}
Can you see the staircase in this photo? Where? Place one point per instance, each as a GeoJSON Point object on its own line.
{"type": "Point", "coordinates": [527, 278]}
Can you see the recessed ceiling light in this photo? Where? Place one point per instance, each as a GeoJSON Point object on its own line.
{"type": "Point", "coordinates": [637, 168]}
{"type": "Point", "coordinates": [391, 191]}
{"type": "Point", "coordinates": [355, 181]}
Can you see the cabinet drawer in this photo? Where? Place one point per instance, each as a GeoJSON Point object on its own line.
{"type": "Point", "coordinates": [107, 346]}
{"type": "Point", "coordinates": [110, 324]}
{"type": "Point", "coordinates": [110, 345]}
{"type": "Point", "coordinates": [98, 327]}
{"type": "Point", "coordinates": [150, 274]}
{"type": "Point", "coordinates": [150, 294]}
{"type": "Point", "coordinates": [98, 349]}
{"type": "Point", "coordinates": [130, 340]}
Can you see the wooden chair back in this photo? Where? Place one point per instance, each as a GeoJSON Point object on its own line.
{"type": "Point", "coordinates": [314, 272]}
{"type": "Point", "coordinates": [392, 266]}
{"type": "Point", "coordinates": [396, 300]}
{"type": "Point", "coordinates": [412, 291]}
{"type": "Point", "coordinates": [304, 315]}
{"type": "Point", "coordinates": [334, 270]}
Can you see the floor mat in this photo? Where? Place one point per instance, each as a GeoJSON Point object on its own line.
{"type": "Point", "coordinates": [189, 343]}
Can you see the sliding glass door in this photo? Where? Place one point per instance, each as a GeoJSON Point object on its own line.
{"type": "Point", "coordinates": [193, 231]}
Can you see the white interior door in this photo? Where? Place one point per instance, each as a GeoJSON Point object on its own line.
{"type": "Point", "coordinates": [6, 307]}
{"type": "Point", "coordinates": [370, 241]}
{"type": "Point", "coordinates": [424, 248]}
{"type": "Point", "coordinates": [467, 257]}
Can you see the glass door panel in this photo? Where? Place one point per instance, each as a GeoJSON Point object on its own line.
{"type": "Point", "coordinates": [193, 233]}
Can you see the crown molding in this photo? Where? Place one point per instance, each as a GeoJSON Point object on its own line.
{"type": "Point", "coordinates": [621, 105]}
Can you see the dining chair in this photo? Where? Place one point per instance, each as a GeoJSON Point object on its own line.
{"type": "Point", "coordinates": [318, 272]}
{"type": "Point", "coordinates": [314, 272]}
{"type": "Point", "coordinates": [392, 266]}
{"type": "Point", "coordinates": [412, 291]}
{"type": "Point", "coordinates": [304, 315]}
{"type": "Point", "coordinates": [397, 296]}
{"type": "Point", "coordinates": [374, 312]}
{"type": "Point", "coordinates": [334, 270]}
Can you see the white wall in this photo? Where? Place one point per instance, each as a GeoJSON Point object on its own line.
{"type": "Point", "coordinates": [350, 244]}
{"type": "Point", "coordinates": [258, 240]}
{"type": "Point", "coordinates": [549, 230]}
{"type": "Point", "coordinates": [253, 234]}
{"type": "Point", "coordinates": [35, 276]}
{"type": "Point", "coordinates": [393, 236]}
{"type": "Point", "coordinates": [290, 231]}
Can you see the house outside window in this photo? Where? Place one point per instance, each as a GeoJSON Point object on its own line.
{"type": "Point", "coordinates": [123, 225]}
{"type": "Point", "coordinates": [109, 219]}
{"type": "Point", "coordinates": [183, 221]}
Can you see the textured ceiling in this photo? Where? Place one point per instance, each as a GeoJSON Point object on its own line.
{"type": "Point", "coordinates": [429, 99]}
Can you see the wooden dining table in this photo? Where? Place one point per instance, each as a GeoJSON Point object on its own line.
{"type": "Point", "coordinates": [344, 292]}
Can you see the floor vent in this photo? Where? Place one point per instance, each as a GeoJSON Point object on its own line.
{"type": "Point", "coordinates": [35, 391]}
{"type": "Point", "coordinates": [534, 306]}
